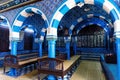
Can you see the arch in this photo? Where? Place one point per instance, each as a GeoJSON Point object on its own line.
{"type": "Point", "coordinates": [75, 22]}
{"type": "Point", "coordinates": [4, 18]}
{"type": "Point", "coordinates": [92, 21]}
{"type": "Point", "coordinates": [25, 13]}
{"type": "Point", "coordinates": [106, 5]}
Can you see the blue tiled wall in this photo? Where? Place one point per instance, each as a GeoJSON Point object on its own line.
{"type": "Point", "coordinates": [48, 7]}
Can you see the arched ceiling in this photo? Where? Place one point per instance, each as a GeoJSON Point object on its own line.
{"type": "Point", "coordinates": [36, 21]}
{"type": "Point", "coordinates": [77, 12]}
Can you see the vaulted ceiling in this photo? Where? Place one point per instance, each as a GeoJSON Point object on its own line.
{"type": "Point", "coordinates": [78, 12]}
{"type": "Point", "coordinates": [50, 6]}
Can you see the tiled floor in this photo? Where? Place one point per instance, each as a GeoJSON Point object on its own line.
{"type": "Point", "coordinates": [88, 70]}
{"type": "Point", "coordinates": [29, 76]}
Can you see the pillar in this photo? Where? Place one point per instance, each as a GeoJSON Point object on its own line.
{"type": "Point", "coordinates": [67, 43]}
{"type": "Point", "coordinates": [118, 56]}
{"type": "Point", "coordinates": [12, 71]}
{"type": "Point", "coordinates": [75, 45]}
{"type": "Point", "coordinates": [39, 41]}
{"type": "Point", "coordinates": [14, 48]}
{"type": "Point", "coordinates": [51, 48]}
{"type": "Point", "coordinates": [68, 50]}
{"type": "Point", "coordinates": [40, 49]}
{"type": "Point", "coordinates": [51, 54]}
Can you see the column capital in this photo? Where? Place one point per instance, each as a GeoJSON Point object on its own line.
{"type": "Point", "coordinates": [38, 40]}
{"type": "Point", "coordinates": [51, 37]}
{"type": "Point", "coordinates": [117, 34]}
{"type": "Point", "coordinates": [15, 39]}
{"type": "Point", "coordinates": [67, 38]}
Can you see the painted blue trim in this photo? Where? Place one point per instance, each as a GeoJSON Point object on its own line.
{"type": "Point", "coordinates": [118, 56]}
{"type": "Point", "coordinates": [16, 29]}
{"type": "Point", "coordinates": [51, 48]}
{"type": "Point", "coordinates": [40, 49]}
{"type": "Point", "coordinates": [64, 9]}
{"type": "Point", "coordinates": [99, 3]}
{"type": "Point", "coordinates": [114, 15]}
{"type": "Point", "coordinates": [51, 54]}
{"type": "Point", "coordinates": [39, 12]}
{"type": "Point", "coordinates": [78, 1]}
{"type": "Point", "coordinates": [28, 10]}
{"type": "Point", "coordinates": [85, 17]}
{"type": "Point", "coordinates": [55, 23]}
{"type": "Point", "coordinates": [46, 25]}
{"type": "Point", "coordinates": [14, 48]}
{"type": "Point", "coordinates": [97, 22]}
{"type": "Point", "coordinates": [42, 33]}
{"type": "Point", "coordinates": [114, 3]}
{"type": "Point", "coordinates": [68, 49]}
{"type": "Point", "coordinates": [93, 50]}
{"type": "Point", "coordinates": [51, 77]}
{"type": "Point", "coordinates": [12, 71]}
{"type": "Point", "coordinates": [21, 18]}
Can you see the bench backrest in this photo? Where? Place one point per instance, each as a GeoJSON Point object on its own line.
{"type": "Point", "coordinates": [11, 60]}
{"type": "Point", "coordinates": [26, 56]}
{"type": "Point", "coordinates": [50, 64]}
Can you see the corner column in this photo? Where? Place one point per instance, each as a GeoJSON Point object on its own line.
{"type": "Point", "coordinates": [117, 41]}
{"type": "Point", "coordinates": [12, 71]}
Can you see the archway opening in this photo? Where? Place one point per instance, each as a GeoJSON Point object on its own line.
{"type": "Point", "coordinates": [93, 38]}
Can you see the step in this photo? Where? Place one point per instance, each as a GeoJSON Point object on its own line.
{"type": "Point", "coordinates": [88, 58]}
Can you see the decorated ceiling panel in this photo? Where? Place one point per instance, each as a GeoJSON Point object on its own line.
{"type": "Point", "coordinates": [49, 7]}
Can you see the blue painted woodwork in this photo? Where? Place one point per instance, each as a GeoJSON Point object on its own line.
{"type": "Point", "coordinates": [118, 56]}
{"type": "Point", "coordinates": [40, 49]}
{"type": "Point", "coordinates": [51, 54]}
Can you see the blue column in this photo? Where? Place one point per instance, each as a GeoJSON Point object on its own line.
{"type": "Point", "coordinates": [14, 48]}
{"type": "Point", "coordinates": [118, 56]}
{"type": "Point", "coordinates": [75, 48]}
{"type": "Point", "coordinates": [12, 71]}
{"type": "Point", "coordinates": [51, 54]}
{"type": "Point", "coordinates": [68, 49]}
{"type": "Point", "coordinates": [75, 45]}
{"type": "Point", "coordinates": [51, 48]}
{"type": "Point", "coordinates": [40, 49]}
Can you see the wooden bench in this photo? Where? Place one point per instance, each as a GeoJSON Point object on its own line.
{"type": "Point", "coordinates": [55, 66]}
{"type": "Point", "coordinates": [20, 61]}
